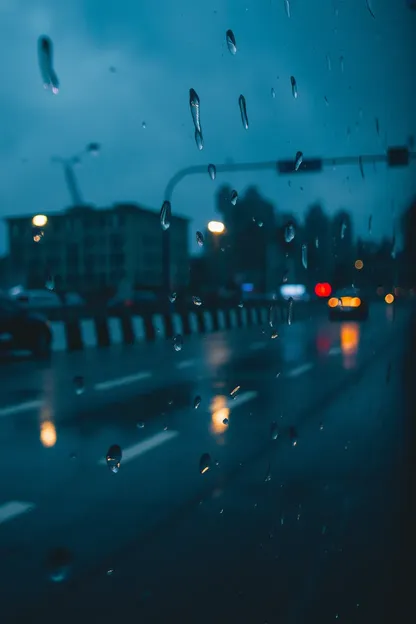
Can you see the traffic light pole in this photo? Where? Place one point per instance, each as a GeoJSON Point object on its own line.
{"type": "Point", "coordinates": [394, 157]}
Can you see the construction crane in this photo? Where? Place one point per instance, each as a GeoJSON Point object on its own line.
{"type": "Point", "coordinates": [70, 178]}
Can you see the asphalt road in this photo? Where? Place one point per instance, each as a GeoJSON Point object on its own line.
{"type": "Point", "coordinates": [301, 515]}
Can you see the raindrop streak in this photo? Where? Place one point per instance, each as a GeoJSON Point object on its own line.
{"type": "Point", "coordinates": [93, 148]}
{"type": "Point", "coordinates": [370, 223]}
{"type": "Point", "coordinates": [165, 215]}
{"type": "Point", "coordinates": [204, 463]}
{"type": "Point", "coordinates": [274, 431]}
{"type": "Point", "coordinates": [328, 62]}
{"type": "Point", "coordinates": [305, 255]}
{"type": "Point", "coordinates": [273, 92]}
{"type": "Point", "coordinates": [231, 44]}
{"type": "Point", "coordinates": [287, 7]}
{"type": "Point", "coordinates": [326, 101]}
{"type": "Point", "coordinates": [341, 63]}
{"type": "Point", "coordinates": [317, 243]}
{"type": "Point", "coordinates": [377, 126]}
{"type": "Point", "coordinates": [196, 301]}
{"type": "Point", "coordinates": [360, 162]}
{"type": "Point", "coordinates": [212, 171]}
{"type": "Point", "coordinates": [197, 402]}
{"type": "Point", "coordinates": [200, 238]}
{"type": "Point", "coordinates": [289, 233]}
{"type": "Point", "coordinates": [369, 9]}
{"type": "Point", "coordinates": [45, 57]}
{"type": "Point", "coordinates": [234, 197]}
{"type": "Point", "coordinates": [243, 111]}
{"type": "Point", "coordinates": [172, 297]}
{"type": "Point", "coordinates": [298, 161]}
{"type": "Point", "coordinates": [290, 311]}
{"type": "Point", "coordinates": [113, 458]}
{"type": "Point", "coordinates": [343, 229]}
{"type": "Point", "coordinates": [199, 140]}
{"type": "Point", "coordinates": [294, 87]}
{"type": "Point", "coordinates": [177, 342]}
{"type": "Point", "coordinates": [293, 434]}
{"type": "Point", "coordinates": [194, 105]}
{"type": "Point", "coordinates": [49, 283]}
{"type": "Point", "coordinates": [79, 385]}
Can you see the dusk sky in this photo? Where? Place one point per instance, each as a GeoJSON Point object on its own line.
{"type": "Point", "coordinates": [162, 48]}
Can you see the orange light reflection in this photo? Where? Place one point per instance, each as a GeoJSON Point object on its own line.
{"type": "Point", "coordinates": [219, 412]}
{"type": "Point", "coordinates": [350, 340]}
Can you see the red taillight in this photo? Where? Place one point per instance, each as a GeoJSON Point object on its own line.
{"type": "Point", "coordinates": [323, 289]}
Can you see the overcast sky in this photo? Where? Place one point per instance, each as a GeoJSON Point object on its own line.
{"type": "Point", "coordinates": [162, 48]}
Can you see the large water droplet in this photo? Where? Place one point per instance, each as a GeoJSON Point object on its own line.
{"type": "Point", "coordinates": [197, 402]}
{"type": "Point", "coordinates": [231, 44]}
{"type": "Point", "coordinates": [204, 463]}
{"type": "Point", "coordinates": [165, 215]}
{"type": "Point", "coordinates": [343, 229]}
{"type": "Point", "coordinates": [196, 301]}
{"type": "Point", "coordinates": [195, 109]}
{"type": "Point", "coordinates": [79, 384]}
{"type": "Point", "coordinates": [113, 458]}
{"type": "Point", "coordinates": [290, 311]}
{"type": "Point", "coordinates": [287, 7]}
{"type": "Point", "coordinates": [177, 342]}
{"type": "Point", "coordinates": [243, 111]}
{"type": "Point", "coordinates": [294, 87]}
{"type": "Point", "coordinates": [289, 232]}
{"type": "Point", "coordinates": [45, 58]}
{"type": "Point", "coordinates": [212, 171]}
{"type": "Point", "coordinates": [274, 431]}
{"type": "Point", "coordinates": [199, 140]}
{"type": "Point", "coordinates": [234, 197]}
{"type": "Point", "coordinates": [199, 238]}
{"type": "Point", "coordinates": [305, 255]}
{"type": "Point", "coordinates": [93, 149]}
{"type": "Point", "coordinates": [172, 297]}
{"type": "Point", "coordinates": [298, 160]}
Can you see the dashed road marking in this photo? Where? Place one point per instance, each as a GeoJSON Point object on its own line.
{"type": "Point", "coordinates": [121, 381]}
{"type": "Point", "coordinates": [185, 364]}
{"type": "Point", "coordinates": [12, 509]}
{"type": "Point", "coordinates": [131, 452]}
{"type": "Point", "coordinates": [242, 398]}
{"type": "Point", "coordinates": [21, 407]}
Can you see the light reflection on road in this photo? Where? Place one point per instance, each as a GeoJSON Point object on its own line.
{"type": "Point", "coordinates": [350, 341]}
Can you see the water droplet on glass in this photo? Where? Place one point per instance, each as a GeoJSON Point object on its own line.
{"type": "Point", "coordinates": [196, 301]}
{"type": "Point", "coordinates": [321, 426]}
{"type": "Point", "coordinates": [45, 58]}
{"type": "Point", "coordinates": [241, 304]}
{"type": "Point", "coordinates": [293, 435]}
{"type": "Point", "coordinates": [177, 342]}
{"type": "Point", "coordinates": [204, 463]}
{"type": "Point", "coordinates": [144, 125]}
{"type": "Point", "coordinates": [140, 425]}
{"type": "Point", "coordinates": [341, 63]}
{"type": "Point", "coordinates": [369, 9]}
{"type": "Point", "coordinates": [165, 215]}
{"type": "Point", "coordinates": [326, 100]}
{"type": "Point", "coordinates": [93, 149]}
{"type": "Point", "coordinates": [212, 171]}
{"type": "Point", "coordinates": [305, 255]}
{"type": "Point", "coordinates": [231, 44]}
{"type": "Point", "coordinates": [260, 223]}
{"type": "Point", "coordinates": [360, 163]}
{"type": "Point", "coordinates": [199, 140]}
{"type": "Point", "coordinates": [200, 238]}
{"type": "Point", "coordinates": [195, 112]}
{"type": "Point", "coordinates": [274, 431]}
{"type": "Point", "coordinates": [343, 229]}
{"type": "Point", "coordinates": [172, 297]}
{"type": "Point", "coordinates": [328, 62]}
{"type": "Point", "coordinates": [233, 392]}
{"type": "Point", "coordinates": [298, 160]}
{"type": "Point", "coordinates": [317, 243]}
{"type": "Point", "coordinates": [243, 111]}
{"type": "Point", "coordinates": [268, 476]}
{"type": "Point", "coordinates": [273, 92]}
{"type": "Point", "coordinates": [370, 223]}
{"type": "Point", "coordinates": [289, 232]}
{"type": "Point", "coordinates": [79, 384]}
{"type": "Point", "coordinates": [290, 311]}
{"type": "Point", "coordinates": [49, 283]}
{"type": "Point", "coordinates": [234, 197]}
{"type": "Point", "coordinates": [110, 572]}
{"type": "Point", "coordinates": [58, 562]}
{"type": "Point", "coordinates": [294, 87]}
{"type": "Point", "coordinates": [225, 421]}
{"type": "Point", "coordinates": [113, 458]}
{"type": "Point", "coordinates": [287, 7]}
{"type": "Point", "coordinates": [197, 402]}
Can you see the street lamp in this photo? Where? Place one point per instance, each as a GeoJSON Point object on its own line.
{"type": "Point", "coordinates": [216, 227]}
{"type": "Point", "coordinates": [69, 164]}
{"type": "Point", "coordinates": [39, 220]}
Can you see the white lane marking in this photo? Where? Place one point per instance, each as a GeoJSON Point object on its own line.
{"type": "Point", "coordinates": [255, 346]}
{"type": "Point", "coordinates": [335, 351]}
{"type": "Point", "coordinates": [121, 381]}
{"type": "Point", "coordinates": [21, 407]}
{"type": "Point", "coordinates": [131, 452]}
{"type": "Point", "coordinates": [299, 370]}
{"type": "Point", "coordinates": [185, 364]}
{"type": "Point", "coordinates": [242, 398]}
{"type": "Point", "coordinates": [10, 510]}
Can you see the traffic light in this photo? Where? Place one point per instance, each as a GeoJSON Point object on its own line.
{"type": "Point", "coordinates": [323, 289]}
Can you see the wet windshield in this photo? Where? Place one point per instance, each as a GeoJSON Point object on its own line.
{"type": "Point", "coordinates": [207, 331]}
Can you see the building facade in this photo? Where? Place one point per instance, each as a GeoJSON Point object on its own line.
{"type": "Point", "coordinates": [88, 249]}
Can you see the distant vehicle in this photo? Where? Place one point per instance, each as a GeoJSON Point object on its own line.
{"type": "Point", "coordinates": [42, 299]}
{"type": "Point", "coordinates": [348, 304]}
{"type": "Point", "coordinates": [22, 330]}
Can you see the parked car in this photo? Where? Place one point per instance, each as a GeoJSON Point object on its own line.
{"type": "Point", "coordinates": [43, 299]}
{"type": "Point", "coordinates": [22, 330]}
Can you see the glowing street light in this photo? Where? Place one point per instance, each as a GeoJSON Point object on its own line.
{"type": "Point", "coordinates": [216, 227]}
{"type": "Point", "coordinates": [39, 220]}
{"type": "Point", "coordinates": [359, 265]}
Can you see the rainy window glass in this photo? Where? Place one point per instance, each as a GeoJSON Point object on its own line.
{"type": "Point", "coordinates": [207, 311]}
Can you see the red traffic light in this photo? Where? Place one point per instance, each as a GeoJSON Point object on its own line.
{"type": "Point", "coordinates": [323, 290]}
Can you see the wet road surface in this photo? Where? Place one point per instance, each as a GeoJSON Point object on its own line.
{"type": "Point", "coordinates": [298, 517]}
